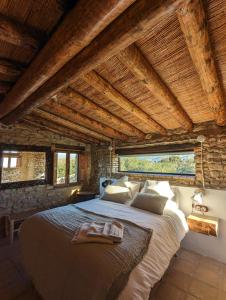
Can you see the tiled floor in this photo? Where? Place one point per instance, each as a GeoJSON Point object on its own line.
{"type": "Point", "coordinates": [189, 277]}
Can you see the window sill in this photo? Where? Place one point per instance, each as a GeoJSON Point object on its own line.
{"type": "Point", "coordinates": [58, 186]}
{"type": "Point", "coordinates": [157, 176]}
{"type": "Point", "coordinates": [22, 184]}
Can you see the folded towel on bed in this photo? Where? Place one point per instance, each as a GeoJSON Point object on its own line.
{"type": "Point", "coordinates": [108, 232]}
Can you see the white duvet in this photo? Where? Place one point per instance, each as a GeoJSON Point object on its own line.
{"type": "Point", "coordinates": [168, 231]}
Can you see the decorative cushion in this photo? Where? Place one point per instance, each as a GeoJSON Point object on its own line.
{"type": "Point", "coordinates": [150, 202]}
{"type": "Point", "coordinates": [117, 194]}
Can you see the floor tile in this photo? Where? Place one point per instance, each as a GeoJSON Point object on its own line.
{"type": "Point", "coordinates": [190, 297]}
{"type": "Point", "coordinates": [190, 256]}
{"type": "Point", "coordinates": [224, 284]}
{"type": "Point", "coordinates": [208, 276]}
{"type": "Point", "coordinates": [184, 266]}
{"type": "Point", "coordinates": [210, 263]}
{"type": "Point", "coordinates": [203, 291]}
{"type": "Point", "coordinates": [222, 295]}
{"type": "Point", "coordinates": [169, 292]}
{"type": "Point", "coordinates": [178, 279]}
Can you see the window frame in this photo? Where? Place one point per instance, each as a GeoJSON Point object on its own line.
{"type": "Point", "coordinates": [26, 148]}
{"type": "Point", "coordinates": [67, 175]}
{"type": "Point", "coordinates": [157, 173]}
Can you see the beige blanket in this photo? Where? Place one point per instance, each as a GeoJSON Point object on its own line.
{"type": "Point", "coordinates": [61, 270]}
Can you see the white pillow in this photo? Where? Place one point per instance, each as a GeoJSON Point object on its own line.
{"type": "Point", "coordinates": [133, 186]}
{"type": "Point", "coordinates": [161, 187]}
{"type": "Point", "coordinates": [117, 194]}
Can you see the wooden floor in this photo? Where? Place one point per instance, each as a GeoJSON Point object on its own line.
{"type": "Point", "coordinates": [189, 277]}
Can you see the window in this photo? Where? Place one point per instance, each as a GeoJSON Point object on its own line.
{"type": "Point", "coordinates": [174, 163]}
{"type": "Point", "coordinates": [10, 159]}
{"type": "Point", "coordinates": [23, 165]}
{"type": "Point", "coordinates": [66, 168]}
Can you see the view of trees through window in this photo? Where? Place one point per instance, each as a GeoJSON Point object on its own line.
{"type": "Point", "coordinates": [62, 159]}
{"type": "Point", "coordinates": [166, 163]}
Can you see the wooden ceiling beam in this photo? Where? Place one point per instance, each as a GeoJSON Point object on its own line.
{"type": "Point", "coordinates": [61, 110]}
{"type": "Point", "coordinates": [65, 133]}
{"type": "Point", "coordinates": [91, 16]}
{"type": "Point", "coordinates": [104, 87]}
{"type": "Point", "coordinates": [135, 61]}
{"type": "Point", "coordinates": [18, 34]}
{"type": "Point", "coordinates": [71, 125]}
{"type": "Point", "coordinates": [193, 22]}
{"type": "Point", "coordinates": [122, 32]}
{"type": "Point", "coordinates": [86, 106]}
{"type": "Point", "coordinates": [53, 126]}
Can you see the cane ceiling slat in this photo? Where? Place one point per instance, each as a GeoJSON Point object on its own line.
{"type": "Point", "coordinates": [108, 105]}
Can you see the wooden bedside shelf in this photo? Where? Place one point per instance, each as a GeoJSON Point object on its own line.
{"type": "Point", "coordinates": [203, 224]}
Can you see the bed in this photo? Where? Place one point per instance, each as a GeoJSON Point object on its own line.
{"type": "Point", "coordinates": [42, 262]}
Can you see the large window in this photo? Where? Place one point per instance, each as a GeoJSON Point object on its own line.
{"type": "Point", "coordinates": [174, 163]}
{"type": "Point", "coordinates": [23, 165]}
{"type": "Point", "coordinates": [66, 168]}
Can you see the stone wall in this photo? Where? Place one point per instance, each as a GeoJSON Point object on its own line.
{"type": "Point", "coordinates": [214, 159]}
{"type": "Point", "coordinates": [40, 196]}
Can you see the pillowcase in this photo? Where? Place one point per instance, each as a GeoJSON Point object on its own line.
{"type": "Point", "coordinates": [133, 186]}
{"type": "Point", "coordinates": [161, 187]}
{"type": "Point", "coordinates": [150, 202]}
{"type": "Point", "coordinates": [117, 194]}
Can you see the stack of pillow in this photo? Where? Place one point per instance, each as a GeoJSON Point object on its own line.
{"type": "Point", "coordinates": [152, 197]}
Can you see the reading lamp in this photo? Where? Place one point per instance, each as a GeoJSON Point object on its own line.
{"type": "Point", "coordinates": [197, 197]}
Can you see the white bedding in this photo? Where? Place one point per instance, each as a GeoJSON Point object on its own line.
{"type": "Point", "coordinates": [168, 231]}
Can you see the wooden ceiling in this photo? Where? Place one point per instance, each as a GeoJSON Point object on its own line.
{"type": "Point", "coordinates": [103, 70]}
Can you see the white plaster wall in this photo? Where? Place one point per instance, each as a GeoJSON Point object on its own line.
{"type": "Point", "coordinates": [200, 243]}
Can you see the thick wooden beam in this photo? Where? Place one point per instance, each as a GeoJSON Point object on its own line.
{"type": "Point", "coordinates": [73, 116]}
{"type": "Point", "coordinates": [60, 129]}
{"type": "Point", "coordinates": [103, 86]}
{"type": "Point", "coordinates": [135, 61]}
{"type": "Point", "coordinates": [82, 24]}
{"type": "Point", "coordinates": [65, 133]}
{"type": "Point", "coordinates": [73, 126]}
{"type": "Point", "coordinates": [17, 34]}
{"type": "Point", "coordinates": [91, 109]}
{"type": "Point", "coordinates": [193, 22]}
{"type": "Point", "coordinates": [125, 30]}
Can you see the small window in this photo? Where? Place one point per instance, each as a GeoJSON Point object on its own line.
{"type": "Point", "coordinates": [23, 167]}
{"type": "Point", "coordinates": [66, 168]}
{"type": "Point", "coordinates": [173, 163]}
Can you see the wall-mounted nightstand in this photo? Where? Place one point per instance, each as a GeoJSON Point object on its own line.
{"type": "Point", "coordinates": [82, 196]}
{"type": "Point", "coordinates": [203, 224]}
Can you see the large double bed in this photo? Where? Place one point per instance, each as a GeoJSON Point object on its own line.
{"type": "Point", "coordinates": [49, 255]}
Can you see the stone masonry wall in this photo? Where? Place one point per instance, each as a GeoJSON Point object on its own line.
{"type": "Point", "coordinates": [214, 159]}
{"type": "Point", "coordinates": [40, 196]}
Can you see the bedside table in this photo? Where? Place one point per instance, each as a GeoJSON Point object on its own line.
{"type": "Point", "coordinates": [203, 224]}
{"type": "Point", "coordinates": [82, 196]}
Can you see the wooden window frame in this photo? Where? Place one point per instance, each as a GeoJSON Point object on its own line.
{"type": "Point", "coordinates": [67, 182]}
{"type": "Point", "coordinates": [10, 156]}
{"type": "Point", "coordinates": [27, 148]}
